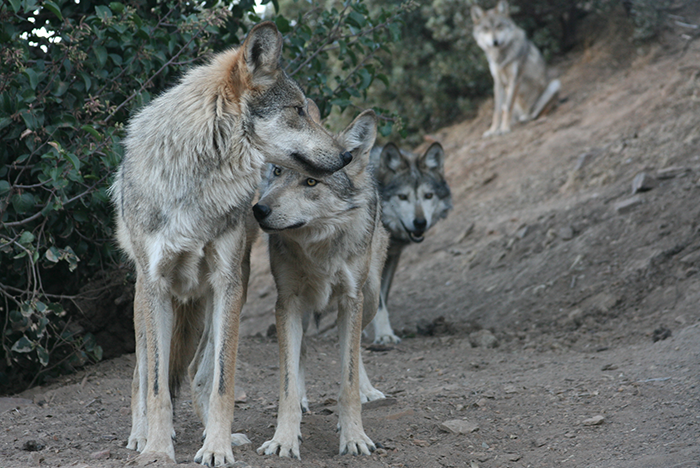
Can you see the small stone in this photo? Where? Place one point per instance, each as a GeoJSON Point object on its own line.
{"type": "Point", "coordinates": [671, 172]}
{"type": "Point", "coordinates": [125, 411]}
{"type": "Point", "coordinates": [380, 403]}
{"type": "Point", "coordinates": [483, 339]}
{"type": "Point", "coordinates": [594, 421]}
{"type": "Point", "coordinates": [510, 389]}
{"type": "Point", "coordinates": [566, 233]}
{"type": "Point", "coordinates": [643, 182]}
{"type": "Point", "coordinates": [33, 446]}
{"type": "Point", "coordinates": [481, 456]}
{"type": "Point", "coordinates": [661, 333]}
{"type": "Point", "coordinates": [625, 206]}
{"type": "Point", "coordinates": [608, 367]}
{"type": "Point", "coordinates": [400, 415]}
{"type": "Point", "coordinates": [238, 439]}
{"type": "Point", "coordinates": [522, 232]}
{"type": "Point", "coordinates": [513, 457]}
{"type": "Point", "coordinates": [459, 426]}
{"type": "Point", "coordinates": [101, 455]}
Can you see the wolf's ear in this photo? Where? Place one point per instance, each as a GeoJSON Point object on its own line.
{"type": "Point", "coordinates": [433, 159]}
{"type": "Point", "coordinates": [503, 7]}
{"type": "Point", "coordinates": [313, 110]}
{"type": "Point", "coordinates": [391, 159]}
{"type": "Point", "coordinates": [262, 50]}
{"type": "Point", "coordinates": [359, 137]}
{"type": "Point", "coordinates": [477, 13]}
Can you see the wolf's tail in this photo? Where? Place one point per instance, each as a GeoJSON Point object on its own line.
{"type": "Point", "coordinates": [186, 332]}
{"type": "Point", "coordinates": [549, 94]}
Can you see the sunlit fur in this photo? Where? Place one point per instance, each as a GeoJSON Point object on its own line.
{"type": "Point", "coordinates": [415, 196]}
{"type": "Point", "coordinates": [182, 196]}
{"type": "Point", "coordinates": [327, 247]}
{"type": "Point", "coordinates": [521, 90]}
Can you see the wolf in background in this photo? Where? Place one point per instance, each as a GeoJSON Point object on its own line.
{"type": "Point", "coordinates": [519, 73]}
{"type": "Point", "coordinates": [193, 162]}
{"type": "Point", "coordinates": [327, 248]}
{"type": "Point", "coordinates": [415, 196]}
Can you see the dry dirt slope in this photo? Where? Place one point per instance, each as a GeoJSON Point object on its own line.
{"type": "Point", "coordinates": [545, 249]}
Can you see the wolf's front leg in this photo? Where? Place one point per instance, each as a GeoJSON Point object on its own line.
{"type": "Point", "coordinates": [228, 293]}
{"type": "Point", "coordinates": [497, 104]}
{"type": "Point", "coordinates": [139, 384]}
{"type": "Point", "coordinates": [383, 333]}
{"type": "Point", "coordinates": [353, 439]}
{"type": "Point", "coordinates": [289, 336]}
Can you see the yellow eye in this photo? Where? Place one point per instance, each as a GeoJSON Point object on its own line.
{"type": "Point", "coordinates": [277, 171]}
{"type": "Point", "coordinates": [311, 182]}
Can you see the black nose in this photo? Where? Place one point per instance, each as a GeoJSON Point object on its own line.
{"type": "Point", "coordinates": [261, 211]}
{"type": "Point", "coordinates": [346, 157]}
{"type": "Point", "coordinates": [420, 223]}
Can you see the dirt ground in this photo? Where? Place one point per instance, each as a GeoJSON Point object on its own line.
{"type": "Point", "coordinates": [589, 290]}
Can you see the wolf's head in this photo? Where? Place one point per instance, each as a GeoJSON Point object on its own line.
{"type": "Point", "coordinates": [291, 200]}
{"type": "Point", "coordinates": [413, 189]}
{"type": "Point", "coordinates": [493, 29]}
{"type": "Point", "coordinates": [283, 123]}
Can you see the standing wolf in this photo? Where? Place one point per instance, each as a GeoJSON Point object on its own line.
{"type": "Point", "coordinates": [415, 196]}
{"type": "Point", "coordinates": [520, 85]}
{"type": "Point", "coordinates": [327, 248]}
{"type": "Point", "coordinates": [183, 194]}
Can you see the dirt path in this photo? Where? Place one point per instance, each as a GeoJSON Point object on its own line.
{"type": "Point", "coordinates": [547, 249]}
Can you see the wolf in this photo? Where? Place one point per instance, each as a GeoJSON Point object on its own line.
{"type": "Point", "coordinates": [414, 197]}
{"type": "Point", "coordinates": [519, 73]}
{"type": "Point", "coordinates": [327, 247]}
{"type": "Point", "coordinates": [183, 194]}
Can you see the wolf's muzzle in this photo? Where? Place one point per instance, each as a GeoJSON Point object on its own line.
{"type": "Point", "coordinates": [261, 211]}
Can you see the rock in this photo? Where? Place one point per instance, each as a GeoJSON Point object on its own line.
{"type": "Point", "coordinates": [510, 389]}
{"type": "Point", "coordinates": [483, 339]}
{"type": "Point", "coordinates": [33, 445]}
{"type": "Point", "coordinates": [101, 455]}
{"type": "Point", "coordinates": [608, 367]}
{"type": "Point", "coordinates": [513, 457]}
{"type": "Point", "coordinates": [380, 403]}
{"type": "Point", "coordinates": [643, 182]}
{"type": "Point", "coordinates": [625, 206]}
{"type": "Point", "coordinates": [594, 421]}
{"type": "Point", "coordinates": [459, 426]}
{"type": "Point", "coordinates": [566, 233]}
{"type": "Point", "coordinates": [239, 439]}
{"type": "Point", "coordinates": [661, 333]}
{"type": "Point", "coordinates": [408, 412]}
{"type": "Point", "coordinates": [671, 172]}
{"type": "Point", "coordinates": [522, 232]}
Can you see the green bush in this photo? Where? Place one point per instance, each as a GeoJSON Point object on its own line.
{"type": "Point", "coordinates": [71, 74]}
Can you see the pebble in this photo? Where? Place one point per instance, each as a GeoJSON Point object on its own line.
{"type": "Point", "coordinates": [625, 206]}
{"type": "Point", "coordinates": [33, 446]}
{"type": "Point", "coordinates": [594, 421]}
{"type": "Point", "coordinates": [400, 415]}
{"type": "Point", "coordinates": [239, 439]}
{"type": "Point", "coordinates": [101, 455]}
{"type": "Point", "coordinates": [483, 339]}
{"type": "Point", "coordinates": [459, 426]}
{"type": "Point", "coordinates": [643, 182]}
{"type": "Point", "coordinates": [566, 233]}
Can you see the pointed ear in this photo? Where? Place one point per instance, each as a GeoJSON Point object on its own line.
{"type": "Point", "coordinates": [313, 110]}
{"type": "Point", "coordinates": [477, 13]}
{"type": "Point", "coordinates": [262, 50]}
{"type": "Point", "coordinates": [359, 137]}
{"type": "Point", "coordinates": [433, 159]}
{"type": "Point", "coordinates": [391, 159]}
{"type": "Point", "coordinates": [503, 7]}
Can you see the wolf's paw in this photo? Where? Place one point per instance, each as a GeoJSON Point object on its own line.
{"type": "Point", "coordinates": [370, 394]}
{"type": "Point", "coordinates": [490, 132]}
{"type": "Point", "coordinates": [288, 447]}
{"type": "Point", "coordinates": [136, 442]}
{"type": "Point", "coordinates": [215, 454]}
{"type": "Point", "coordinates": [387, 338]}
{"type": "Point", "coordinates": [356, 442]}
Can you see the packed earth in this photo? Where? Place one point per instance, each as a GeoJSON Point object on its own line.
{"type": "Point", "coordinates": [552, 319]}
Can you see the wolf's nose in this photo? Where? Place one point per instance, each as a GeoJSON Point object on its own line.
{"type": "Point", "coordinates": [261, 211]}
{"type": "Point", "coordinates": [420, 223]}
{"type": "Point", "coordinates": [346, 157]}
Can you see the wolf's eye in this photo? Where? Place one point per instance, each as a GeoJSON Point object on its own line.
{"type": "Point", "coordinates": [403, 197]}
{"type": "Point", "coordinates": [277, 171]}
{"type": "Point", "coordinates": [300, 111]}
{"type": "Point", "coordinates": [311, 182]}
{"type": "Point", "coordinates": [428, 196]}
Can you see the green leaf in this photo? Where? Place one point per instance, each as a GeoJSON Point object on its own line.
{"type": "Point", "coordinates": [16, 5]}
{"type": "Point", "coordinates": [53, 255]}
{"type": "Point", "coordinates": [33, 77]}
{"type": "Point", "coordinates": [22, 202]}
{"type": "Point", "coordinates": [4, 187]}
{"type": "Point", "coordinates": [26, 309]}
{"type": "Point", "coordinates": [43, 355]}
{"type": "Point", "coordinates": [23, 345]}
{"type": "Point", "coordinates": [92, 131]}
{"type": "Point", "coordinates": [53, 8]}
{"type": "Point", "coordinates": [101, 54]}
{"type": "Point", "coordinates": [73, 160]}
{"type": "Point", "coordinates": [97, 352]}
{"type": "Point", "coordinates": [116, 7]}
{"type": "Point", "coordinates": [103, 12]}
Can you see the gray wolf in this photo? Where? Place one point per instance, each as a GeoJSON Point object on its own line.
{"type": "Point", "coordinates": [520, 85]}
{"type": "Point", "coordinates": [327, 248]}
{"type": "Point", "coordinates": [193, 162]}
{"type": "Point", "coordinates": [415, 196]}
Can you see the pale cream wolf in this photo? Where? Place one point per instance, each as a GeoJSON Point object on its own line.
{"type": "Point", "coordinates": [327, 248]}
{"type": "Point", "coordinates": [194, 158]}
{"type": "Point", "coordinates": [519, 73]}
{"type": "Point", "coordinates": [415, 196]}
